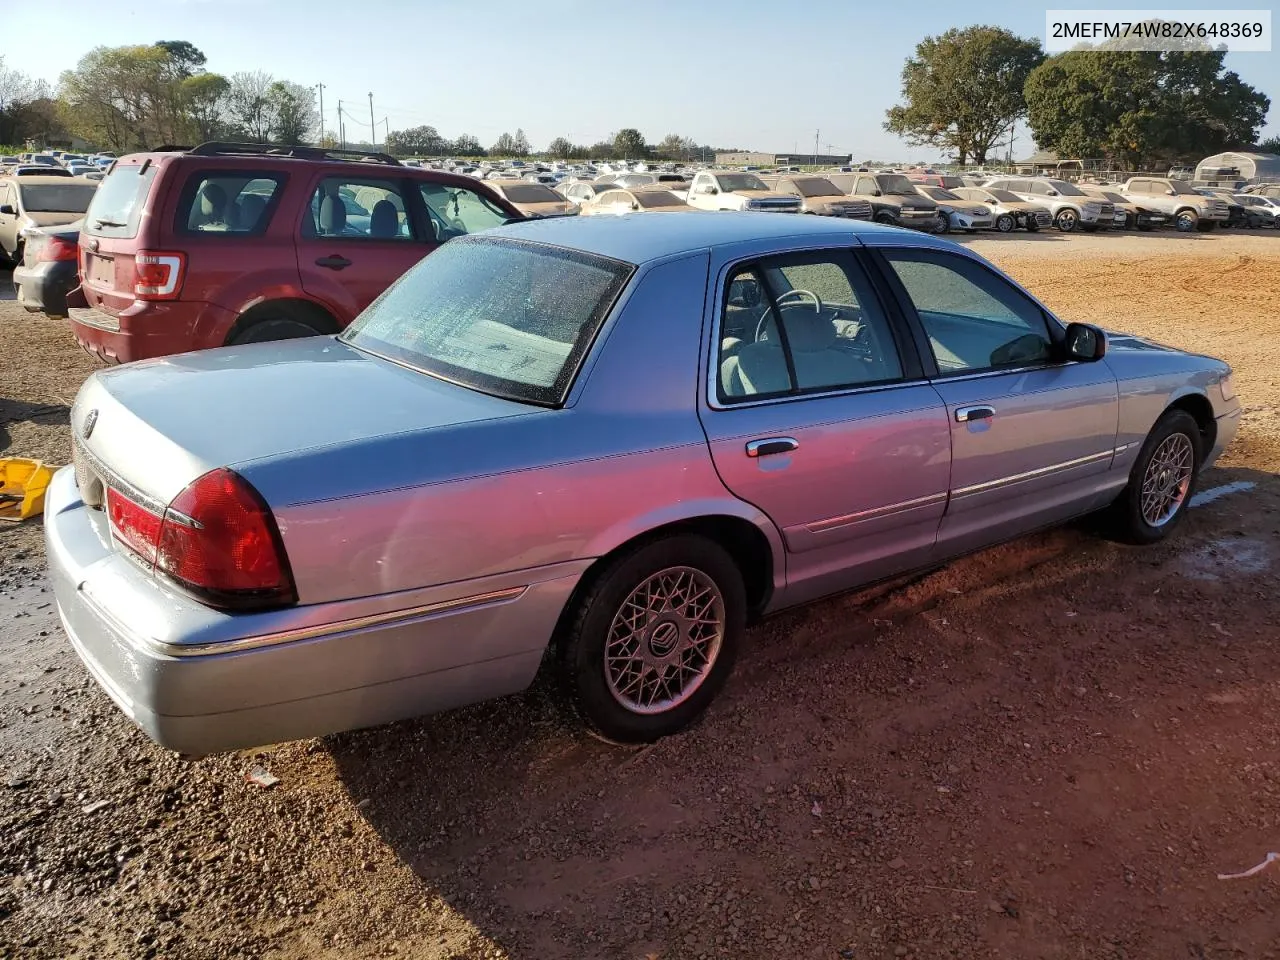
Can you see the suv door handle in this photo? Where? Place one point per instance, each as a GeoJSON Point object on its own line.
{"type": "Point", "coordinates": [771, 445]}
{"type": "Point", "coordinates": [979, 412]}
{"type": "Point", "coordinates": [335, 262]}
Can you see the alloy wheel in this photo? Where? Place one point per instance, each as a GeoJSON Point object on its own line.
{"type": "Point", "coordinates": [1167, 480]}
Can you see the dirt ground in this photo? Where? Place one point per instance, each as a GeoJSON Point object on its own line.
{"type": "Point", "coordinates": [1048, 750]}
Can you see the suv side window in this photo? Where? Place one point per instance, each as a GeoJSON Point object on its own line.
{"type": "Point", "coordinates": [973, 319]}
{"type": "Point", "coordinates": [455, 211]}
{"type": "Point", "coordinates": [358, 208]}
{"type": "Point", "coordinates": [1040, 188]}
{"type": "Point", "coordinates": [239, 202]}
{"type": "Point", "coordinates": [806, 323]}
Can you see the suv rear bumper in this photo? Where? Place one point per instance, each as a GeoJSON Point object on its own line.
{"type": "Point", "coordinates": [146, 330]}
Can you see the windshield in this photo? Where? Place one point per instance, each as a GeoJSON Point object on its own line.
{"type": "Point", "coordinates": [657, 198]}
{"type": "Point", "coordinates": [729, 182]}
{"type": "Point", "coordinates": [531, 193]}
{"type": "Point", "coordinates": [1066, 189]}
{"type": "Point", "coordinates": [896, 185]}
{"type": "Point", "coordinates": [1112, 197]}
{"type": "Point", "coordinates": [1004, 196]}
{"type": "Point", "coordinates": [938, 193]}
{"type": "Point", "coordinates": [57, 197]}
{"type": "Point", "coordinates": [501, 316]}
{"type": "Point", "coordinates": [817, 187]}
{"type": "Point", "coordinates": [1181, 188]}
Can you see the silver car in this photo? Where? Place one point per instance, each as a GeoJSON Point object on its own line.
{"type": "Point", "coordinates": [603, 443]}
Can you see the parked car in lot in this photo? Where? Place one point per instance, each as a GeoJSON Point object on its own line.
{"type": "Point", "coordinates": [37, 170]}
{"type": "Point", "coordinates": [1072, 208]}
{"type": "Point", "coordinates": [819, 196]}
{"type": "Point", "coordinates": [956, 213]}
{"type": "Point", "coordinates": [1238, 215]}
{"type": "Point", "coordinates": [894, 199]}
{"type": "Point", "coordinates": [1267, 209]}
{"type": "Point", "coordinates": [639, 434]}
{"type": "Point", "coordinates": [1177, 199]}
{"type": "Point", "coordinates": [534, 200]}
{"type": "Point", "coordinates": [47, 280]}
{"type": "Point", "coordinates": [1010, 210]}
{"type": "Point", "coordinates": [579, 192]}
{"type": "Point", "coordinates": [725, 190]}
{"type": "Point", "coordinates": [640, 200]}
{"type": "Point", "coordinates": [238, 243]}
{"type": "Point", "coordinates": [32, 202]}
{"type": "Point", "coordinates": [1130, 215]}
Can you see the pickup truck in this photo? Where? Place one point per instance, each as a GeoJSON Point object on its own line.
{"type": "Point", "coordinates": [893, 198]}
{"type": "Point", "coordinates": [1177, 198]}
{"type": "Point", "coordinates": [724, 190]}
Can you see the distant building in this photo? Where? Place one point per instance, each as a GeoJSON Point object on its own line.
{"type": "Point", "coordinates": [751, 159]}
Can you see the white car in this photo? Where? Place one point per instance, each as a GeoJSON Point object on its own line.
{"type": "Point", "coordinates": [955, 212]}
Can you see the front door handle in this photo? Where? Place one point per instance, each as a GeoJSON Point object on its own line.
{"type": "Point", "coordinates": [969, 414]}
{"type": "Point", "coordinates": [771, 445]}
{"type": "Point", "coordinates": [335, 262]}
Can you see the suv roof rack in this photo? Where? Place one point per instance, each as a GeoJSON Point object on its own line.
{"type": "Point", "coordinates": [217, 148]}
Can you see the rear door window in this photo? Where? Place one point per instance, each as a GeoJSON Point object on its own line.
{"type": "Point", "coordinates": [358, 208]}
{"type": "Point", "coordinates": [116, 209]}
{"type": "Point", "coordinates": [239, 203]}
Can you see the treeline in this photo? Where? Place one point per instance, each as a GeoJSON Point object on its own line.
{"type": "Point", "coordinates": [963, 92]}
{"type": "Point", "coordinates": [133, 98]}
{"type": "Point", "coordinates": [627, 144]}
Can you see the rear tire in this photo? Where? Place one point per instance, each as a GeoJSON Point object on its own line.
{"type": "Point", "coordinates": [1162, 480]}
{"type": "Point", "coordinates": [274, 328]}
{"type": "Point", "coordinates": [679, 600]}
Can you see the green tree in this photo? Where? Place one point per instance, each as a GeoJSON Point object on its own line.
{"type": "Point", "coordinates": [963, 90]}
{"type": "Point", "coordinates": [628, 144]}
{"type": "Point", "coordinates": [124, 97]}
{"type": "Point", "coordinates": [416, 141]}
{"type": "Point", "coordinates": [602, 150]}
{"type": "Point", "coordinates": [292, 108]}
{"type": "Point", "coordinates": [561, 148]}
{"type": "Point", "coordinates": [250, 106]}
{"type": "Point", "coordinates": [520, 144]}
{"type": "Point", "coordinates": [205, 99]}
{"type": "Point", "coordinates": [1270, 145]}
{"type": "Point", "coordinates": [468, 146]}
{"type": "Point", "coordinates": [20, 103]}
{"type": "Point", "coordinates": [186, 58]}
{"type": "Point", "coordinates": [504, 146]}
{"type": "Point", "coordinates": [1141, 107]}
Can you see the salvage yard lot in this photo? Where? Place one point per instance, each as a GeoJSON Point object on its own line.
{"type": "Point", "coordinates": [1046, 750]}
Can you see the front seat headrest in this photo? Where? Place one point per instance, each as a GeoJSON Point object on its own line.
{"type": "Point", "coordinates": [384, 221]}
{"type": "Point", "coordinates": [333, 215]}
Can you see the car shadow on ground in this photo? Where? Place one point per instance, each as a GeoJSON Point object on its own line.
{"type": "Point", "coordinates": [45, 414]}
{"type": "Point", "coordinates": [536, 831]}
{"type": "Point", "coordinates": [6, 284]}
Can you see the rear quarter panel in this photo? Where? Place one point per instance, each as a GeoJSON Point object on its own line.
{"type": "Point", "coordinates": [626, 454]}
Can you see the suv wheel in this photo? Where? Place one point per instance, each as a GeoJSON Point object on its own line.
{"type": "Point", "coordinates": [274, 328]}
{"type": "Point", "coordinates": [654, 638]}
{"type": "Point", "coordinates": [887, 218]}
{"type": "Point", "coordinates": [1067, 220]}
{"type": "Point", "coordinates": [1186, 220]}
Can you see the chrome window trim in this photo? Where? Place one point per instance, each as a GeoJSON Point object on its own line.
{"type": "Point", "coordinates": [1032, 474]}
{"type": "Point", "coordinates": [388, 618]}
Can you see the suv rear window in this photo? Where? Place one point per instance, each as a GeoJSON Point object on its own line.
{"type": "Point", "coordinates": [117, 206]}
{"type": "Point", "coordinates": [239, 202]}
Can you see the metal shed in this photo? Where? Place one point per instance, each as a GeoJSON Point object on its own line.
{"type": "Point", "coordinates": [1239, 166]}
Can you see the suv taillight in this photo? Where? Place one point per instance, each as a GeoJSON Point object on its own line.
{"type": "Point", "coordinates": [58, 248]}
{"type": "Point", "coordinates": [217, 540]}
{"type": "Point", "coordinates": [158, 276]}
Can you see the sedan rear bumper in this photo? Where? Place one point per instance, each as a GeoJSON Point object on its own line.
{"type": "Point", "coordinates": [202, 681]}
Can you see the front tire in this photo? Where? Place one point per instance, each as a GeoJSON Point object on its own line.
{"type": "Point", "coordinates": [1161, 481]}
{"type": "Point", "coordinates": [943, 223]}
{"type": "Point", "coordinates": [1005, 223]}
{"type": "Point", "coordinates": [888, 219]}
{"type": "Point", "coordinates": [274, 328]}
{"type": "Point", "coordinates": [1067, 220]}
{"type": "Point", "coordinates": [653, 640]}
{"type": "Point", "coordinates": [1186, 220]}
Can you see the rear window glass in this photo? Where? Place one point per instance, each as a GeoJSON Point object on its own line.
{"type": "Point", "coordinates": [236, 203]}
{"type": "Point", "coordinates": [117, 206]}
{"type": "Point", "coordinates": [57, 197]}
{"type": "Point", "coordinates": [531, 193]}
{"type": "Point", "coordinates": [505, 317]}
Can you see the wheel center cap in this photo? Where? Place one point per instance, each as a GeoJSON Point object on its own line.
{"type": "Point", "coordinates": [664, 638]}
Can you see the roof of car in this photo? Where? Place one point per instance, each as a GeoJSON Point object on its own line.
{"type": "Point", "coordinates": [642, 239]}
{"type": "Point", "coordinates": [34, 180]}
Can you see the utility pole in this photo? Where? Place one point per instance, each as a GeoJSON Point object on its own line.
{"type": "Point", "coordinates": [373, 129]}
{"type": "Point", "coordinates": [815, 147]}
{"type": "Point", "coordinates": [320, 142]}
{"type": "Point", "coordinates": [342, 132]}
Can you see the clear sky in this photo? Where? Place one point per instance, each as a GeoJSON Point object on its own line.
{"type": "Point", "coordinates": [762, 74]}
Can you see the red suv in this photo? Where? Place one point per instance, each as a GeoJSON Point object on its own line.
{"type": "Point", "coordinates": [229, 243]}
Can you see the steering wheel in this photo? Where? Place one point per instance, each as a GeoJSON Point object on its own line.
{"type": "Point", "coordinates": [817, 308]}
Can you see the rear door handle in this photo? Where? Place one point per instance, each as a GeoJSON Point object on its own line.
{"type": "Point", "coordinates": [335, 262]}
{"type": "Point", "coordinates": [979, 412]}
{"type": "Point", "coordinates": [771, 445]}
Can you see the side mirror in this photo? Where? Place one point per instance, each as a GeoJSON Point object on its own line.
{"type": "Point", "coordinates": [1169, 192]}
{"type": "Point", "coordinates": [876, 193]}
{"type": "Point", "coordinates": [1053, 193]}
{"type": "Point", "coordinates": [8, 208]}
{"type": "Point", "coordinates": [1085, 342]}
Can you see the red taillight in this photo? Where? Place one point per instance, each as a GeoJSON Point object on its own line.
{"type": "Point", "coordinates": [58, 248]}
{"type": "Point", "coordinates": [217, 539]}
{"type": "Point", "coordinates": [158, 276]}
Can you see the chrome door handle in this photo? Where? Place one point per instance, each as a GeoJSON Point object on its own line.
{"type": "Point", "coordinates": [980, 412]}
{"type": "Point", "coordinates": [771, 445]}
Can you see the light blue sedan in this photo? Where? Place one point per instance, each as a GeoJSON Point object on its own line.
{"type": "Point", "coordinates": [602, 444]}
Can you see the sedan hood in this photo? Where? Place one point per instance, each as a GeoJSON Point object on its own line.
{"type": "Point", "coordinates": [161, 423]}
